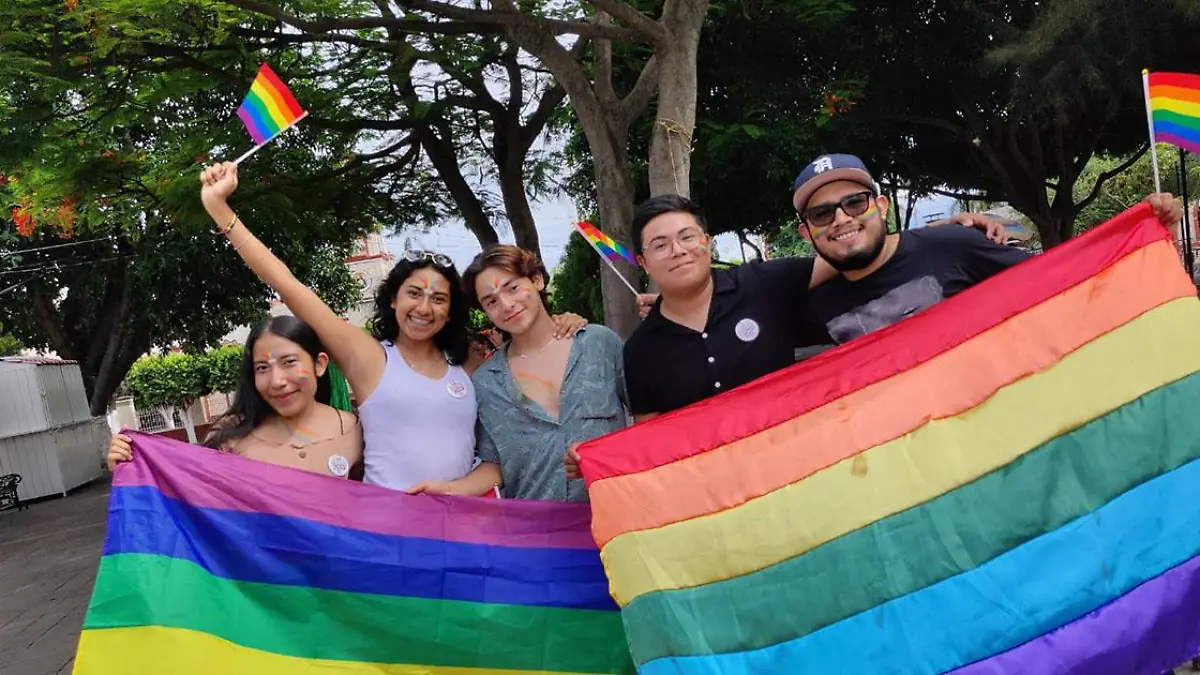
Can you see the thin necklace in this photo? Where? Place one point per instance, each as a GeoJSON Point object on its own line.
{"type": "Point", "coordinates": [539, 351]}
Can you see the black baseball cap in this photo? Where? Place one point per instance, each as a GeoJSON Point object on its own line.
{"type": "Point", "coordinates": [825, 170]}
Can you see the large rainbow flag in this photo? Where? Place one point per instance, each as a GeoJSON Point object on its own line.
{"type": "Point", "coordinates": [219, 564]}
{"type": "Point", "coordinates": [1004, 483]}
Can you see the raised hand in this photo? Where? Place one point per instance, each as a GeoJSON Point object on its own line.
{"type": "Point", "coordinates": [218, 182]}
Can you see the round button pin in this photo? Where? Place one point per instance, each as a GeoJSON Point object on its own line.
{"type": "Point", "coordinates": [746, 330]}
{"type": "Point", "coordinates": [338, 465]}
{"type": "Point", "coordinates": [457, 389]}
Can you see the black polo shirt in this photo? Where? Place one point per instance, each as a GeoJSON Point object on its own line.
{"type": "Point", "coordinates": [752, 330]}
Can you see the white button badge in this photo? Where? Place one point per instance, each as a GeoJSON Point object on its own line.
{"type": "Point", "coordinates": [746, 330]}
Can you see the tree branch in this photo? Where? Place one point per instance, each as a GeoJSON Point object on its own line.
{"type": "Point", "coordinates": [653, 31]}
{"type": "Point", "coordinates": [602, 66]}
{"type": "Point", "coordinates": [1107, 175]}
{"type": "Point", "coordinates": [639, 96]}
{"type": "Point", "coordinates": [985, 196]}
{"type": "Point", "coordinates": [443, 156]}
{"type": "Point", "coordinates": [401, 24]}
{"type": "Point", "coordinates": [516, 88]}
{"type": "Point", "coordinates": [460, 20]}
{"type": "Point", "coordinates": [552, 97]}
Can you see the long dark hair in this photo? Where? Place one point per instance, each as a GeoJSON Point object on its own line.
{"type": "Point", "coordinates": [249, 409]}
{"type": "Point", "coordinates": [452, 339]}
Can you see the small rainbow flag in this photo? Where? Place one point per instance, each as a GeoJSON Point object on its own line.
{"type": "Point", "coordinates": [218, 564]}
{"type": "Point", "coordinates": [604, 244]}
{"type": "Point", "coordinates": [1004, 483]}
{"type": "Point", "coordinates": [269, 108]}
{"type": "Point", "coordinates": [1175, 109]}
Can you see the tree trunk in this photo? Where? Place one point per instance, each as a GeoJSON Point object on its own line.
{"type": "Point", "coordinates": [615, 195]}
{"type": "Point", "coordinates": [516, 202]}
{"type": "Point", "coordinates": [675, 120]}
{"type": "Point", "coordinates": [439, 147]}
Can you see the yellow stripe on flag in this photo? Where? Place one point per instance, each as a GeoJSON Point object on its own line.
{"type": "Point", "coordinates": [1175, 105]}
{"type": "Point", "coordinates": [146, 650]}
{"type": "Point", "coordinates": [269, 100]}
{"type": "Point", "coordinates": [932, 460]}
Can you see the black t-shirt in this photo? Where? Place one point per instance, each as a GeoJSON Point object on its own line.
{"type": "Point", "coordinates": [753, 329]}
{"type": "Point", "coordinates": [929, 265]}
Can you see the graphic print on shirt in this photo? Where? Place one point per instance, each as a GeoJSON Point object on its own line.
{"type": "Point", "coordinates": [898, 303]}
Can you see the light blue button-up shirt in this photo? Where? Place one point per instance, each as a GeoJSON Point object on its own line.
{"type": "Point", "coordinates": [526, 441]}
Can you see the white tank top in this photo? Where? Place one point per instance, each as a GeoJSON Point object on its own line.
{"type": "Point", "coordinates": [416, 428]}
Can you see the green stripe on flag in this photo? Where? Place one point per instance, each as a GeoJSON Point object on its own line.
{"type": "Point", "coordinates": [151, 590]}
{"type": "Point", "coordinates": [1063, 479]}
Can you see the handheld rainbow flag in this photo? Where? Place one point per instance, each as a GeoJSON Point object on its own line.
{"type": "Point", "coordinates": [218, 564]}
{"type": "Point", "coordinates": [1003, 483]}
{"type": "Point", "coordinates": [609, 249]}
{"type": "Point", "coordinates": [1173, 112]}
{"type": "Point", "coordinates": [268, 110]}
{"type": "Point", "coordinates": [604, 244]}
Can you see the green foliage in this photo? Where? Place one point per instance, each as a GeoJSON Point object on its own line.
{"type": "Point", "coordinates": [759, 100]}
{"type": "Point", "coordinates": [1005, 98]}
{"type": "Point", "coordinates": [1130, 186]}
{"type": "Point", "coordinates": [9, 345]}
{"type": "Point", "coordinates": [786, 242]}
{"type": "Point", "coordinates": [107, 112]}
{"type": "Point", "coordinates": [224, 367]}
{"type": "Point", "coordinates": [575, 282]}
{"type": "Point", "coordinates": [479, 321]}
{"type": "Point", "coordinates": [175, 379]}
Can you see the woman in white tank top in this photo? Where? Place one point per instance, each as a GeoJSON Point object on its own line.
{"type": "Point", "coordinates": [416, 402]}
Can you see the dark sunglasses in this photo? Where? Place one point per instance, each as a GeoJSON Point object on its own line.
{"type": "Point", "coordinates": [439, 259]}
{"type": "Point", "coordinates": [852, 205]}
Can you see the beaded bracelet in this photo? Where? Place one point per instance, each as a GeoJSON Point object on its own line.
{"type": "Point", "coordinates": [232, 224]}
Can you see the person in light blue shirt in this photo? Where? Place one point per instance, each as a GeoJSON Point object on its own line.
{"type": "Point", "coordinates": [538, 397]}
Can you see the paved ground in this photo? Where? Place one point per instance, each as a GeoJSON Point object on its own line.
{"type": "Point", "coordinates": [48, 557]}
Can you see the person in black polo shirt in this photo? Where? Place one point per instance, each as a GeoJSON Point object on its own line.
{"type": "Point", "coordinates": [715, 329]}
{"type": "Point", "coordinates": [711, 330]}
{"type": "Point", "coordinates": [887, 277]}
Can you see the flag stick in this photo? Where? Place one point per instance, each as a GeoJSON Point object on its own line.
{"type": "Point", "coordinates": [616, 272]}
{"type": "Point", "coordinates": [606, 260]}
{"type": "Point", "coordinates": [1185, 224]}
{"type": "Point", "coordinates": [1150, 123]}
{"type": "Point", "coordinates": [256, 148]}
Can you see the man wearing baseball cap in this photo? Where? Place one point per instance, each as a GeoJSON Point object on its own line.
{"type": "Point", "coordinates": [887, 277]}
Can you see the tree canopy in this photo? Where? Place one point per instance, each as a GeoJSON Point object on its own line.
{"type": "Point", "coordinates": [104, 138]}
{"type": "Point", "coordinates": [1006, 101]}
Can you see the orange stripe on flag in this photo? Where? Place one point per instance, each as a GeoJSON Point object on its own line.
{"type": "Point", "coordinates": [280, 93]}
{"type": "Point", "coordinates": [791, 451]}
{"type": "Point", "coordinates": [1177, 93]}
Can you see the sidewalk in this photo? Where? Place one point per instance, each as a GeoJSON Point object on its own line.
{"type": "Point", "coordinates": [48, 558]}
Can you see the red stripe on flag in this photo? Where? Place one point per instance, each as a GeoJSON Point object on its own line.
{"type": "Point", "coordinates": [1182, 80]}
{"type": "Point", "coordinates": [284, 95]}
{"type": "Point", "coordinates": [778, 397]}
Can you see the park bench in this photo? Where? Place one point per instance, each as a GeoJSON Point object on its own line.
{"type": "Point", "coordinates": [8, 492]}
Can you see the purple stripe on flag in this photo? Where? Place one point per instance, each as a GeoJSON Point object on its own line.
{"type": "Point", "coordinates": [1178, 141]}
{"type": "Point", "coordinates": [1150, 630]}
{"type": "Point", "coordinates": [203, 478]}
{"type": "Point", "coordinates": [251, 125]}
